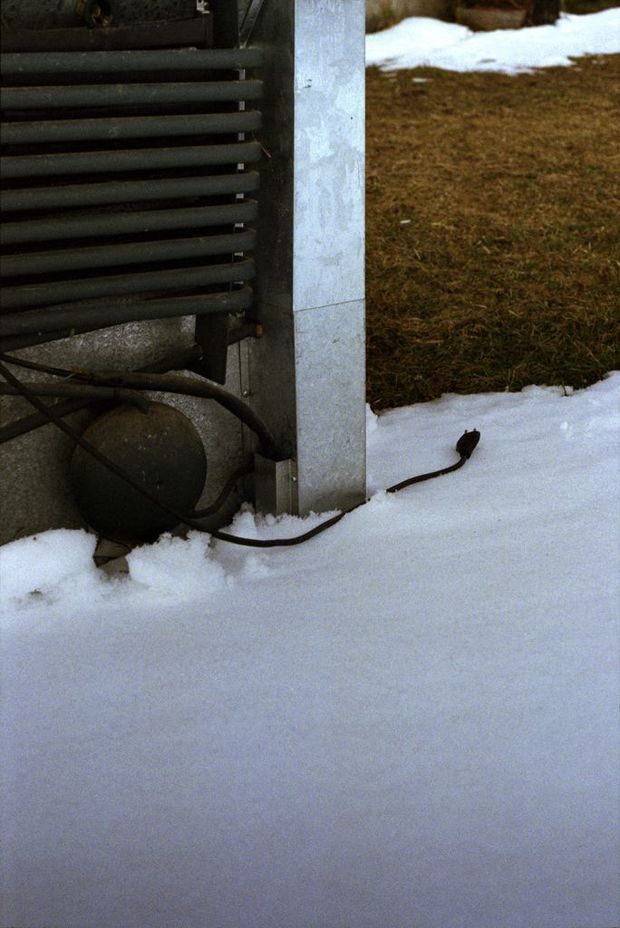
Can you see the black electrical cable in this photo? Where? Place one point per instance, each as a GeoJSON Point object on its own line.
{"type": "Point", "coordinates": [224, 493]}
{"type": "Point", "coordinates": [182, 359]}
{"type": "Point", "coordinates": [465, 447]}
{"type": "Point", "coordinates": [37, 419]}
{"type": "Point", "coordinates": [185, 386]}
{"type": "Point", "coordinates": [124, 475]}
{"type": "Point", "coordinates": [36, 366]}
{"type": "Point", "coordinates": [176, 360]}
{"type": "Point", "coordinates": [81, 391]}
{"type": "Point", "coordinates": [160, 383]}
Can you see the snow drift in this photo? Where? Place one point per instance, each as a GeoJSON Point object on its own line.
{"type": "Point", "coordinates": [408, 721]}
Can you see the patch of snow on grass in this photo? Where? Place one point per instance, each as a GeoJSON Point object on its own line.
{"type": "Point", "coordinates": [422, 42]}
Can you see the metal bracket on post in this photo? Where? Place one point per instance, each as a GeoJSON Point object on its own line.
{"type": "Point", "coordinates": [225, 22]}
{"type": "Point", "coordinates": [275, 484]}
{"type": "Point", "coordinates": [211, 334]}
{"type": "Point", "coordinates": [214, 335]}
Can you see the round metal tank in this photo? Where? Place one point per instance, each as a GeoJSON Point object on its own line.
{"type": "Point", "coordinates": [160, 449]}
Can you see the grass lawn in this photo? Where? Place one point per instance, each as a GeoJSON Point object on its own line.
{"type": "Point", "coordinates": [493, 237]}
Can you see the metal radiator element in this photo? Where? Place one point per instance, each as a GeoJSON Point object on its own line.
{"type": "Point", "coordinates": [136, 237]}
{"type": "Point", "coordinates": [128, 177]}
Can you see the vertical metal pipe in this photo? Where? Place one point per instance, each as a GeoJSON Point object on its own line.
{"type": "Point", "coordinates": [307, 374]}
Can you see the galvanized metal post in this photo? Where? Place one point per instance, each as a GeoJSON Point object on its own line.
{"type": "Point", "coordinates": [308, 375]}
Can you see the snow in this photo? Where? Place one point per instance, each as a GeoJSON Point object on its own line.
{"type": "Point", "coordinates": [408, 721]}
{"type": "Point", "coordinates": [421, 42]}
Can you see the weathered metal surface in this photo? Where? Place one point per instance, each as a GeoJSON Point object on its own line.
{"type": "Point", "coordinates": [113, 255]}
{"type": "Point", "coordinates": [129, 127]}
{"type": "Point", "coordinates": [125, 223]}
{"type": "Point", "coordinates": [275, 485]}
{"type": "Point", "coordinates": [160, 449]}
{"type": "Point", "coordinates": [51, 165]}
{"type": "Point", "coordinates": [328, 199]}
{"type": "Point", "coordinates": [138, 145]}
{"type": "Point", "coordinates": [330, 406]}
{"type": "Point", "coordinates": [135, 61]}
{"type": "Point", "coordinates": [127, 191]}
{"type": "Point", "coordinates": [54, 292]}
{"type": "Point", "coordinates": [155, 172]}
{"type": "Point", "coordinates": [98, 314]}
{"type": "Point", "coordinates": [306, 376]}
{"type": "Point", "coordinates": [110, 95]}
{"type": "Point", "coordinates": [251, 12]}
{"type": "Point", "coordinates": [311, 248]}
{"type": "Point", "coordinates": [34, 491]}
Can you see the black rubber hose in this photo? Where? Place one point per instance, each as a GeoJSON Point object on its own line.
{"type": "Point", "coordinates": [166, 383]}
{"type": "Point", "coordinates": [185, 386]}
{"type": "Point", "coordinates": [38, 419]}
{"type": "Point", "coordinates": [71, 406]}
{"type": "Point", "coordinates": [182, 519]}
{"type": "Point", "coordinates": [465, 447]}
{"type": "Point", "coordinates": [176, 383]}
{"type": "Point", "coordinates": [224, 493]}
{"type": "Point", "coordinates": [81, 391]}
{"type": "Point", "coordinates": [177, 360]}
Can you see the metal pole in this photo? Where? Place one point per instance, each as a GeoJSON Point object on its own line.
{"type": "Point", "coordinates": [307, 375]}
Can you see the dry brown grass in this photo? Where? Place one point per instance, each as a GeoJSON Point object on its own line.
{"type": "Point", "coordinates": [493, 237]}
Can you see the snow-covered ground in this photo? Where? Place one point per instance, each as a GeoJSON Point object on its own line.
{"type": "Point", "coordinates": [421, 42]}
{"type": "Point", "coordinates": [409, 721]}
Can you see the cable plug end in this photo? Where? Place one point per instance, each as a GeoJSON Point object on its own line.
{"type": "Point", "coordinates": [466, 445]}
